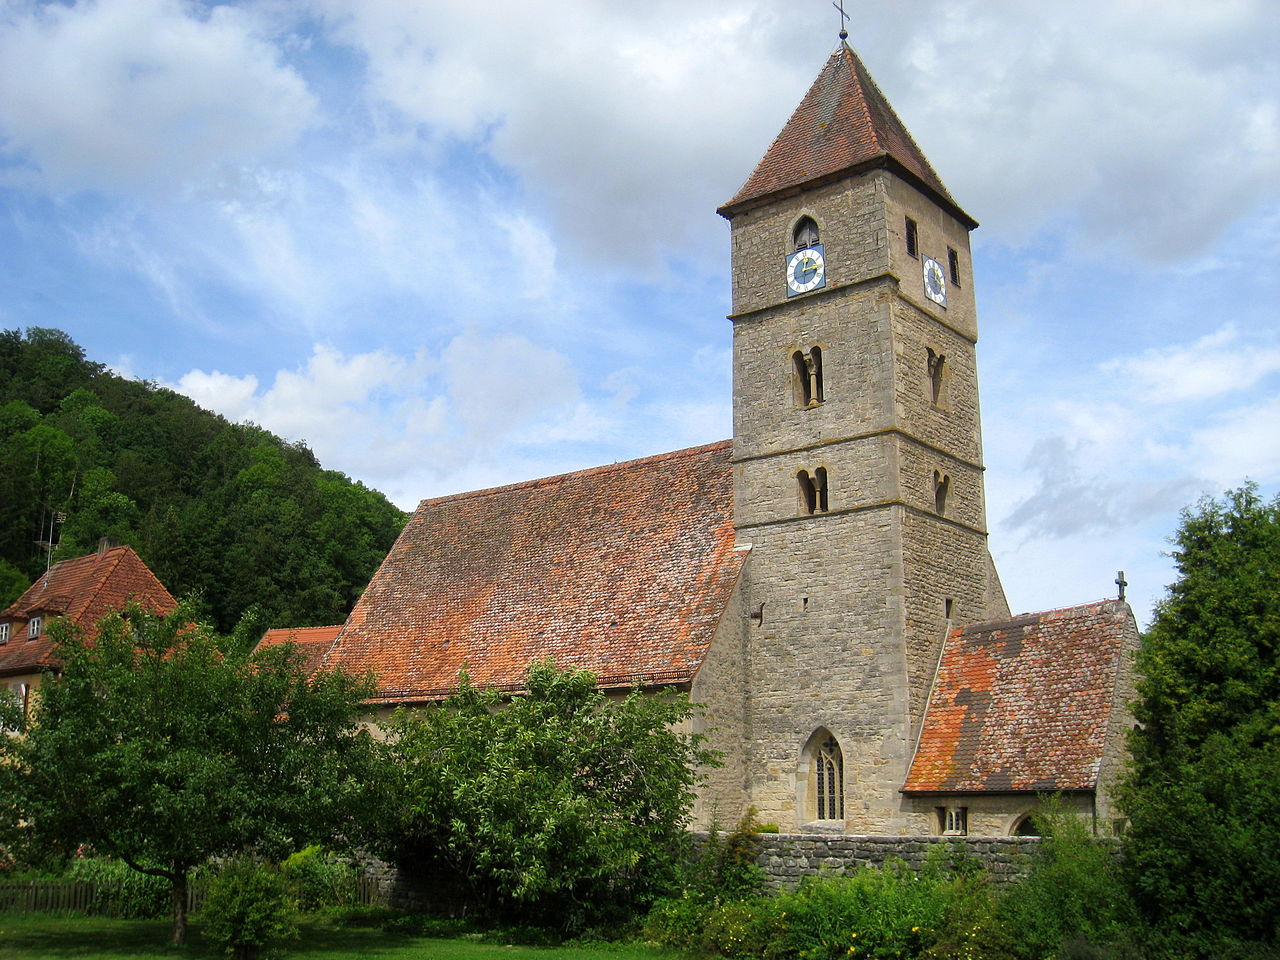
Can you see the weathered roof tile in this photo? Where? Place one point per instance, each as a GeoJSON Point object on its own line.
{"type": "Point", "coordinates": [623, 570]}
{"type": "Point", "coordinates": [1024, 703]}
{"type": "Point", "coordinates": [843, 124]}
{"type": "Point", "coordinates": [84, 590]}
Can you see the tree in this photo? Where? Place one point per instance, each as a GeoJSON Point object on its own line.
{"type": "Point", "coordinates": [1203, 847]}
{"type": "Point", "coordinates": [560, 804]}
{"type": "Point", "coordinates": [164, 746]}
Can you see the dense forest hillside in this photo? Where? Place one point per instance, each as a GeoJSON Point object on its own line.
{"type": "Point", "coordinates": [226, 512]}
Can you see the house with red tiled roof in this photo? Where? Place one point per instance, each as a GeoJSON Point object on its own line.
{"type": "Point", "coordinates": [809, 580]}
{"type": "Point", "coordinates": [312, 643]}
{"type": "Point", "coordinates": [82, 590]}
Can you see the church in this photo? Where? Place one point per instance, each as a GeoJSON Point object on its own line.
{"type": "Point", "coordinates": [821, 582]}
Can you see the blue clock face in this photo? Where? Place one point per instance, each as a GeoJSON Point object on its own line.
{"type": "Point", "coordinates": [935, 282]}
{"type": "Point", "coordinates": [806, 270]}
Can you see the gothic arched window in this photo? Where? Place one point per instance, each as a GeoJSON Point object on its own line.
{"type": "Point", "coordinates": [828, 794]}
{"type": "Point", "coordinates": [805, 234]}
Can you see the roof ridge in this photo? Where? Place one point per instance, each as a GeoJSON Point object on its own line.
{"type": "Point", "coordinates": [1034, 614]}
{"type": "Point", "coordinates": [585, 472]}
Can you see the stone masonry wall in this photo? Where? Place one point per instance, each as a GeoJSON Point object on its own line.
{"type": "Point", "coordinates": [788, 858]}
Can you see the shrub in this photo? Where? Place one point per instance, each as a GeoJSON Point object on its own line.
{"type": "Point", "coordinates": [1073, 892]}
{"type": "Point", "coordinates": [248, 909]}
{"type": "Point", "coordinates": [881, 913]}
{"type": "Point", "coordinates": [725, 868]}
{"type": "Point", "coordinates": [320, 879]}
{"type": "Point", "coordinates": [121, 891]}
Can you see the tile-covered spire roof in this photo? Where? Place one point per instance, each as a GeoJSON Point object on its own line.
{"type": "Point", "coordinates": [844, 124]}
{"type": "Point", "coordinates": [624, 570]}
{"type": "Point", "coordinates": [312, 642]}
{"type": "Point", "coordinates": [83, 590]}
{"type": "Point", "coordinates": [1024, 704]}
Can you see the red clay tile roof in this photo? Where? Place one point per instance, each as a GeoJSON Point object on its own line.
{"type": "Point", "coordinates": [312, 642]}
{"type": "Point", "coordinates": [843, 124]}
{"type": "Point", "coordinates": [1024, 703]}
{"type": "Point", "coordinates": [83, 590]}
{"type": "Point", "coordinates": [624, 570]}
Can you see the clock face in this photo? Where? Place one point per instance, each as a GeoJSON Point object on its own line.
{"type": "Point", "coordinates": [806, 270]}
{"type": "Point", "coordinates": [935, 282]}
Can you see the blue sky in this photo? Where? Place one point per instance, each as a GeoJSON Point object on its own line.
{"type": "Point", "coordinates": [453, 245]}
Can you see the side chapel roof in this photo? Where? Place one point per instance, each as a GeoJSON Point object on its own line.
{"type": "Point", "coordinates": [624, 570]}
{"type": "Point", "coordinates": [843, 125]}
{"type": "Point", "coordinates": [1024, 704]}
{"type": "Point", "coordinates": [312, 642]}
{"type": "Point", "coordinates": [82, 590]}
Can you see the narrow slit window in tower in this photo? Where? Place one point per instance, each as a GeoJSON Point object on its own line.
{"type": "Point", "coordinates": [830, 781]}
{"type": "Point", "coordinates": [820, 487]}
{"type": "Point", "coordinates": [913, 238]}
{"type": "Point", "coordinates": [941, 484]}
{"type": "Point", "coordinates": [805, 234]}
{"type": "Point", "coordinates": [815, 371]}
{"type": "Point", "coordinates": [801, 379]}
{"type": "Point", "coordinates": [937, 363]}
{"type": "Point", "coordinates": [953, 266]}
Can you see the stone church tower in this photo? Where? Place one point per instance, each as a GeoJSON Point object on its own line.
{"type": "Point", "coordinates": [857, 453]}
{"type": "Point", "coordinates": [820, 583]}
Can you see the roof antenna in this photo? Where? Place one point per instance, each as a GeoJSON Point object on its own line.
{"type": "Point", "coordinates": [1121, 582]}
{"type": "Point", "coordinates": [844, 34]}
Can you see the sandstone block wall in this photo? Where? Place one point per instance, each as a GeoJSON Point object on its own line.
{"type": "Point", "coordinates": [788, 859]}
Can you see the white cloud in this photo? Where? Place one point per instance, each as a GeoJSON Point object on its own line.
{"type": "Point", "coordinates": [1244, 442]}
{"type": "Point", "coordinates": [142, 94]}
{"type": "Point", "coordinates": [1218, 363]}
{"type": "Point", "coordinates": [502, 382]}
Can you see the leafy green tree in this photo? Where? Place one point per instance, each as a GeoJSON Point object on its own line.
{"type": "Point", "coordinates": [560, 805]}
{"type": "Point", "coordinates": [227, 512]}
{"type": "Point", "coordinates": [1203, 847]}
{"type": "Point", "coordinates": [163, 745]}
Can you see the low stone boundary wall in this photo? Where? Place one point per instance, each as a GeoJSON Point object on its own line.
{"type": "Point", "coordinates": [786, 858]}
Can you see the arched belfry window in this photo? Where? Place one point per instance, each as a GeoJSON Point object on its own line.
{"type": "Point", "coordinates": [805, 234]}
{"type": "Point", "coordinates": [806, 370]}
{"type": "Point", "coordinates": [813, 490]}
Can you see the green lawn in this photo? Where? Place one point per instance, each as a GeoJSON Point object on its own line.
{"type": "Point", "coordinates": [40, 937]}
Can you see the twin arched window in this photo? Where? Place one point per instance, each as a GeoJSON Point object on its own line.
{"type": "Point", "coordinates": [813, 490]}
{"type": "Point", "coordinates": [807, 377]}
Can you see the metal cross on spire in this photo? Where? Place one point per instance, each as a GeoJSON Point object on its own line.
{"type": "Point", "coordinates": [844, 34]}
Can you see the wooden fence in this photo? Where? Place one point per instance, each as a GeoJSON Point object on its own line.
{"type": "Point", "coordinates": [46, 897]}
{"type": "Point", "coordinates": [60, 896]}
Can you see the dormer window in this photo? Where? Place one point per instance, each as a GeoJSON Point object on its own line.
{"type": "Point", "coordinates": [805, 234]}
{"type": "Point", "coordinates": [34, 626]}
{"type": "Point", "coordinates": [4, 633]}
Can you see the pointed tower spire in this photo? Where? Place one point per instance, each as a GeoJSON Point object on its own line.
{"type": "Point", "coordinates": [843, 125]}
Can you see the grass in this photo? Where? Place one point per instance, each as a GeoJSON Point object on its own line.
{"type": "Point", "coordinates": [43, 937]}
